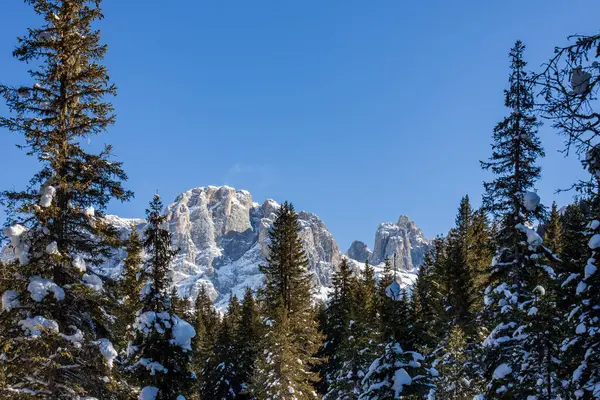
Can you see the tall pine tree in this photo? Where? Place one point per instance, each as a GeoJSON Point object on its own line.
{"type": "Point", "coordinates": [520, 351]}
{"type": "Point", "coordinates": [284, 370]}
{"type": "Point", "coordinates": [55, 327]}
{"type": "Point", "coordinates": [160, 352]}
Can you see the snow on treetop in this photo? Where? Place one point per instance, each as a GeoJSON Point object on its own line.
{"type": "Point", "coordinates": [593, 225]}
{"type": "Point", "coordinates": [76, 338]}
{"type": "Point", "coordinates": [182, 333]}
{"type": "Point", "coordinates": [10, 300]}
{"type": "Point", "coordinates": [539, 290]}
{"type": "Point", "coordinates": [401, 378]}
{"type": "Point", "coordinates": [34, 326]}
{"type": "Point", "coordinates": [533, 239]}
{"type": "Point", "coordinates": [594, 242]}
{"type": "Point", "coordinates": [79, 264]}
{"type": "Point", "coordinates": [107, 350]}
{"type": "Point", "coordinates": [589, 270]}
{"type": "Point", "coordinates": [47, 195]}
{"type": "Point", "coordinates": [501, 371]}
{"type": "Point", "coordinates": [52, 249]}
{"type": "Point", "coordinates": [149, 393]}
{"type": "Point", "coordinates": [93, 282]}
{"type": "Point", "coordinates": [40, 287]}
{"type": "Point", "coordinates": [531, 201]}
{"type": "Point", "coordinates": [394, 290]}
{"type": "Point", "coordinates": [20, 246]}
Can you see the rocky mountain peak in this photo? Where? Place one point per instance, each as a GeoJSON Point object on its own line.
{"type": "Point", "coordinates": [403, 239]}
{"type": "Point", "coordinates": [359, 251]}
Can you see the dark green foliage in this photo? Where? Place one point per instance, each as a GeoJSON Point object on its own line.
{"type": "Point", "coordinates": [206, 324]}
{"type": "Point", "coordinates": [338, 314]}
{"type": "Point", "coordinates": [292, 338]}
{"type": "Point", "coordinates": [129, 289]}
{"type": "Point", "coordinates": [396, 374]}
{"type": "Point", "coordinates": [222, 380]}
{"type": "Point", "coordinates": [61, 105]}
{"type": "Point", "coordinates": [155, 358]}
{"type": "Point", "coordinates": [516, 148]}
{"type": "Point", "coordinates": [520, 301]}
{"type": "Point", "coordinates": [553, 235]}
{"type": "Point", "coordinates": [247, 338]}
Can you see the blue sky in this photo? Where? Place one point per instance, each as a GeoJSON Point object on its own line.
{"type": "Point", "coordinates": [358, 111]}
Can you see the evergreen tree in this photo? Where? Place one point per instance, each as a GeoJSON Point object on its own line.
{"type": "Point", "coordinates": [553, 235]}
{"type": "Point", "coordinates": [181, 306]}
{"type": "Point", "coordinates": [574, 240]}
{"type": "Point", "coordinates": [516, 149]}
{"type": "Point", "coordinates": [129, 289]}
{"type": "Point", "coordinates": [339, 315]}
{"type": "Point", "coordinates": [521, 348]}
{"type": "Point", "coordinates": [224, 380]}
{"type": "Point", "coordinates": [397, 374]}
{"type": "Point", "coordinates": [454, 379]}
{"type": "Point", "coordinates": [360, 346]}
{"type": "Point", "coordinates": [56, 324]}
{"type": "Point", "coordinates": [292, 338]}
{"type": "Point", "coordinates": [206, 325]}
{"type": "Point", "coordinates": [247, 339]}
{"type": "Point", "coordinates": [427, 313]}
{"type": "Point", "coordinates": [461, 276]}
{"type": "Point", "coordinates": [160, 353]}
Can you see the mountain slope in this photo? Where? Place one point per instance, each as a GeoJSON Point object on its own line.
{"type": "Point", "coordinates": [222, 237]}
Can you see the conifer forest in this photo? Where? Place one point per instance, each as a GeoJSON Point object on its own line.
{"type": "Point", "coordinates": [505, 305]}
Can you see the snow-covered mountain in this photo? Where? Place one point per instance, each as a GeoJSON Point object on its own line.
{"type": "Point", "coordinates": [222, 237]}
{"type": "Point", "coordinates": [221, 234]}
{"type": "Point", "coordinates": [403, 239]}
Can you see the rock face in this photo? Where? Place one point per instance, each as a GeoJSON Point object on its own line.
{"type": "Point", "coordinates": [222, 237]}
{"type": "Point", "coordinates": [403, 238]}
{"type": "Point", "coordinates": [359, 251]}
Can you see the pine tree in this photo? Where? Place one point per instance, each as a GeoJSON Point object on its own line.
{"type": "Point", "coordinates": [247, 338]}
{"type": "Point", "coordinates": [516, 149]}
{"type": "Point", "coordinates": [206, 325]}
{"type": "Point", "coordinates": [182, 306]}
{"type": "Point", "coordinates": [56, 324]}
{"type": "Point", "coordinates": [553, 235]}
{"type": "Point", "coordinates": [454, 379]}
{"type": "Point", "coordinates": [129, 289]}
{"type": "Point", "coordinates": [359, 347]}
{"type": "Point", "coordinates": [160, 353]}
{"type": "Point", "coordinates": [397, 374]}
{"type": "Point", "coordinates": [292, 338]}
{"type": "Point", "coordinates": [520, 349]}
{"type": "Point", "coordinates": [339, 314]}
{"type": "Point", "coordinates": [461, 276]}
{"type": "Point", "coordinates": [580, 346]}
{"type": "Point", "coordinates": [224, 380]}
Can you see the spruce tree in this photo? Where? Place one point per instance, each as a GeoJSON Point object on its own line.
{"type": "Point", "coordinates": [56, 324]}
{"type": "Point", "coordinates": [129, 289]}
{"type": "Point", "coordinates": [454, 379]}
{"type": "Point", "coordinates": [359, 346]}
{"type": "Point", "coordinates": [160, 352]}
{"type": "Point", "coordinates": [247, 338]}
{"type": "Point", "coordinates": [206, 325]}
{"type": "Point", "coordinates": [553, 235]}
{"type": "Point", "coordinates": [284, 370]}
{"type": "Point", "coordinates": [520, 351]}
{"type": "Point", "coordinates": [397, 374]}
{"type": "Point", "coordinates": [224, 380]}
{"type": "Point", "coordinates": [427, 313]}
{"type": "Point", "coordinates": [339, 315]}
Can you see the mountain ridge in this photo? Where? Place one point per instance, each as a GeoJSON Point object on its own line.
{"type": "Point", "coordinates": [222, 237]}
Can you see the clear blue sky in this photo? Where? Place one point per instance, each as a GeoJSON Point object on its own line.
{"type": "Point", "coordinates": [358, 111]}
